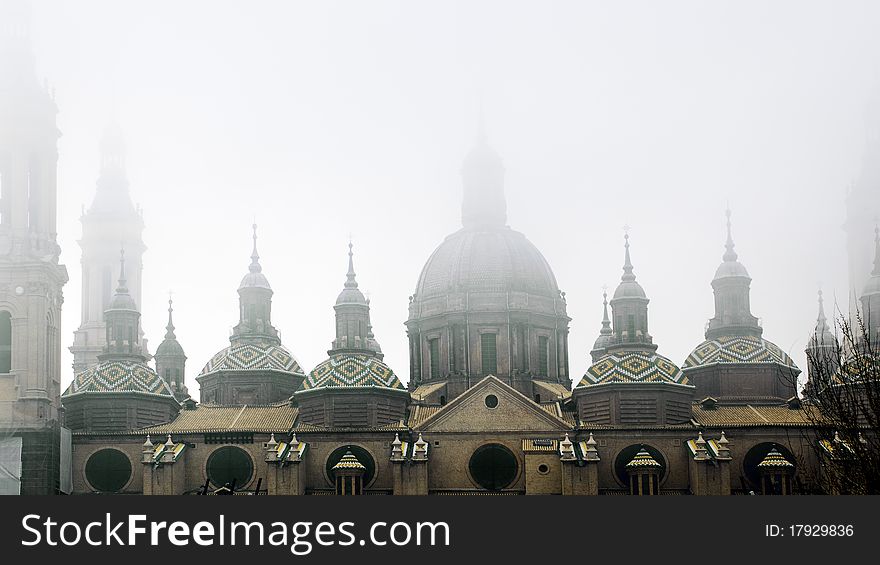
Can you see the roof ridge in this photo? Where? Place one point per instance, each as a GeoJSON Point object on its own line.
{"type": "Point", "coordinates": [766, 421]}
{"type": "Point", "coordinates": [237, 416]}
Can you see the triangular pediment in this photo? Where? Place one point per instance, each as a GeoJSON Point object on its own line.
{"type": "Point", "coordinates": [470, 412]}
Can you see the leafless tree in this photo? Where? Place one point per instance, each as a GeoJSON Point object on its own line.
{"type": "Point", "coordinates": [841, 403]}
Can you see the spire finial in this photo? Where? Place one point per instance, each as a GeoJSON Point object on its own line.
{"type": "Point", "coordinates": [255, 257]}
{"type": "Point", "coordinates": [606, 322]}
{"type": "Point", "coordinates": [169, 329]}
{"type": "Point", "coordinates": [123, 282]}
{"type": "Point", "coordinates": [730, 254]}
{"type": "Point", "coordinates": [350, 281]}
{"type": "Point", "coordinates": [821, 318]}
{"type": "Point", "coordinates": [627, 264]}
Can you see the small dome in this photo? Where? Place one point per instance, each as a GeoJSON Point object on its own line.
{"type": "Point", "coordinates": [352, 370]}
{"type": "Point", "coordinates": [633, 367]}
{"type": "Point", "coordinates": [251, 357]}
{"type": "Point", "coordinates": [775, 460]}
{"type": "Point", "coordinates": [255, 280]}
{"type": "Point", "coordinates": [486, 260]}
{"type": "Point", "coordinates": [351, 296]}
{"type": "Point", "coordinates": [349, 461]}
{"type": "Point", "coordinates": [629, 289]}
{"type": "Point", "coordinates": [643, 460]}
{"type": "Point", "coordinates": [737, 349]}
{"type": "Point", "coordinates": [122, 301]}
{"type": "Point", "coordinates": [603, 341]}
{"type": "Point", "coordinates": [170, 347]}
{"type": "Point", "coordinates": [119, 376]}
{"type": "Point", "coordinates": [731, 269]}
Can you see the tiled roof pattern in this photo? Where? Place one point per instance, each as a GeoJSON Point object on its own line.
{"type": "Point", "coordinates": [633, 367]}
{"type": "Point", "coordinates": [749, 415]}
{"type": "Point", "coordinates": [119, 376]}
{"type": "Point", "coordinates": [737, 349]}
{"type": "Point", "coordinates": [352, 370]}
{"type": "Point", "coordinates": [555, 390]}
{"type": "Point", "coordinates": [251, 357]}
{"type": "Point", "coordinates": [208, 418]}
{"type": "Point", "coordinates": [424, 390]}
{"type": "Point", "coordinates": [418, 414]}
{"type": "Point", "coordinates": [643, 460]}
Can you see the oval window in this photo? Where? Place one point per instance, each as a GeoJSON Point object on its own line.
{"type": "Point", "coordinates": [228, 465]}
{"type": "Point", "coordinates": [491, 401]}
{"type": "Point", "coordinates": [493, 467]}
{"type": "Point", "coordinates": [108, 470]}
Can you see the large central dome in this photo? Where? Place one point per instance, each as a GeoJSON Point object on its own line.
{"type": "Point", "coordinates": [486, 302]}
{"type": "Point", "coordinates": [486, 260]}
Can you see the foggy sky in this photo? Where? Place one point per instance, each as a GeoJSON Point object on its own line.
{"type": "Point", "coordinates": [324, 119]}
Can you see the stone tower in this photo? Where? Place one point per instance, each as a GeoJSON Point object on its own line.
{"type": "Point", "coordinates": [31, 278]}
{"type": "Point", "coordinates": [487, 302]}
{"type": "Point", "coordinates": [171, 360]}
{"type": "Point", "coordinates": [111, 221]}
{"type": "Point", "coordinates": [863, 208]}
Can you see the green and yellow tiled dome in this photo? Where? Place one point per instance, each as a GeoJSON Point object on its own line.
{"type": "Point", "coordinates": [633, 367]}
{"type": "Point", "coordinates": [119, 376]}
{"type": "Point", "coordinates": [643, 460]}
{"type": "Point", "coordinates": [352, 370]}
{"type": "Point", "coordinates": [737, 349]}
{"type": "Point", "coordinates": [251, 357]}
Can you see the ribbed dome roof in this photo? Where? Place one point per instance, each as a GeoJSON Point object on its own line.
{"type": "Point", "coordinates": [252, 357]}
{"type": "Point", "coordinates": [633, 367]}
{"type": "Point", "coordinates": [255, 280]}
{"type": "Point", "coordinates": [731, 269]}
{"type": "Point", "coordinates": [352, 370]}
{"type": "Point", "coordinates": [629, 289]}
{"type": "Point", "coordinates": [486, 260]}
{"type": "Point", "coordinates": [119, 376]}
{"type": "Point", "coordinates": [738, 349]}
{"type": "Point", "coordinates": [170, 347]}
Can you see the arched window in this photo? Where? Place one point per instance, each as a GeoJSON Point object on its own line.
{"type": "Point", "coordinates": [434, 357]}
{"type": "Point", "coordinates": [5, 342]}
{"type": "Point", "coordinates": [488, 353]}
{"type": "Point", "coordinates": [543, 356]}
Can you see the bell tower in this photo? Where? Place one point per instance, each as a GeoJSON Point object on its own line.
{"type": "Point", "coordinates": [31, 278]}
{"type": "Point", "coordinates": [111, 221]}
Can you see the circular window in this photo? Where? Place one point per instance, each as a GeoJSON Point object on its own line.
{"type": "Point", "coordinates": [230, 464]}
{"type": "Point", "coordinates": [625, 456]}
{"type": "Point", "coordinates": [543, 469]}
{"type": "Point", "coordinates": [108, 470]}
{"type": "Point", "coordinates": [362, 455]}
{"type": "Point", "coordinates": [493, 467]}
{"type": "Point", "coordinates": [491, 401]}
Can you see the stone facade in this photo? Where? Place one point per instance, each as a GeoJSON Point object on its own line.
{"type": "Point", "coordinates": [31, 278]}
